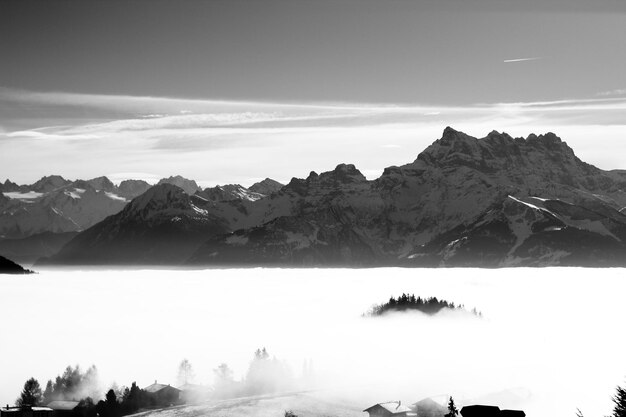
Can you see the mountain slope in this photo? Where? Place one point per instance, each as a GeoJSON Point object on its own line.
{"type": "Point", "coordinates": [7, 266]}
{"type": "Point", "coordinates": [56, 205]}
{"type": "Point", "coordinates": [162, 226]}
{"type": "Point", "coordinates": [266, 187]}
{"type": "Point", "coordinates": [455, 205]}
{"type": "Point", "coordinates": [29, 249]}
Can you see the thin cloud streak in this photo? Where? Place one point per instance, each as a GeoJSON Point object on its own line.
{"type": "Point", "coordinates": [535, 58]}
{"type": "Point", "coordinates": [224, 142]}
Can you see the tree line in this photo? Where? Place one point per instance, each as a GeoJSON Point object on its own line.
{"type": "Point", "coordinates": [406, 302]}
{"type": "Point", "coordinates": [265, 375]}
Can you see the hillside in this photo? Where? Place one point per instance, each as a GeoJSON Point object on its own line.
{"type": "Point", "coordinates": [302, 404]}
{"type": "Point", "coordinates": [7, 266]}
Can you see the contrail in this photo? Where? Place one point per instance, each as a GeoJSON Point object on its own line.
{"type": "Point", "coordinates": [522, 59]}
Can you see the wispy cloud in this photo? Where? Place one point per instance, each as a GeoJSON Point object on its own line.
{"type": "Point", "coordinates": [616, 92]}
{"type": "Point", "coordinates": [535, 58]}
{"type": "Point", "coordinates": [230, 141]}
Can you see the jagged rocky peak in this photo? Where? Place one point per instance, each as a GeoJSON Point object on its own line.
{"type": "Point", "coordinates": [132, 188]}
{"type": "Point", "coordinates": [266, 187]}
{"type": "Point", "coordinates": [497, 151]}
{"type": "Point", "coordinates": [160, 197]}
{"type": "Point", "coordinates": [229, 192]}
{"type": "Point", "coordinates": [49, 183]}
{"type": "Point", "coordinates": [189, 186]}
{"type": "Point", "coordinates": [9, 186]}
{"type": "Point", "coordinates": [344, 175]}
{"type": "Point", "coordinates": [101, 184]}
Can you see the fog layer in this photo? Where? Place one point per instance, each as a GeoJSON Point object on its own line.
{"type": "Point", "coordinates": [552, 337]}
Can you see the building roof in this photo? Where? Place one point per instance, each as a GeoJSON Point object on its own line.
{"type": "Point", "coordinates": [63, 405]}
{"type": "Point", "coordinates": [512, 413]}
{"type": "Point", "coordinates": [18, 409]}
{"type": "Point", "coordinates": [393, 407]}
{"type": "Point", "coordinates": [154, 388]}
{"type": "Point", "coordinates": [480, 411]}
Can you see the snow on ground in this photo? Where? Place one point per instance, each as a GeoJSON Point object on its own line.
{"type": "Point", "coordinates": [114, 196]}
{"type": "Point", "coordinates": [199, 210]}
{"type": "Point", "coordinates": [302, 404]}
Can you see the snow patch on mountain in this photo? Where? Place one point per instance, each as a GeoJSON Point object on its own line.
{"type": "Point", "coordinates": [17, 195]}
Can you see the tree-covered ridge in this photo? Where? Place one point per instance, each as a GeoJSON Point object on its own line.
{"type": "Point", "coordinates": [405, 302]}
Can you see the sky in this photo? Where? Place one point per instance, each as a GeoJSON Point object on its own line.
{"type": "Point", "coordinates": [236, 91]}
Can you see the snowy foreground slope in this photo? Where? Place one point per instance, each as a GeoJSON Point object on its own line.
{"type": "Point", "coordinates": [302, 404]}
{"type": "Point", "coordinates": [490, 202]}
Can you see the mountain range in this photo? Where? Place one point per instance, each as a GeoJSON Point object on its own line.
{"type": "Point", "coordinates": [491, 202]}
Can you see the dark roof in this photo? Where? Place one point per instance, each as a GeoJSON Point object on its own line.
{"type": "Point", "coordinates": [393, 407]}
{"type": "Point", "coordinates": [63, 405]}
{"type": "Point", "coordinates": [19, 409]}
{"type": "Point", "coordinates": [154, 388]}
{"type": "Point", "coordinates": [480, 411]}
{"type": "Point", "coordinates": [512, 413]}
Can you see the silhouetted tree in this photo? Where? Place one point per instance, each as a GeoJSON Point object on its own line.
{"type": "Point", "coordinates": [86, 407]}
{"type": "Point", "coordinates": [47, 394]}
{"type": "Point", "coordinates": [185, 372]}
{"type": "Point", "coordinates": [266, 375]}
{"type": "Point", "coordinates": [452, 410]}
{"type": "Point", "coordinates": [31, 394]}
{"type": "Point", "coordinates": [224, 383]}
{"type": "Point", "coordinates": [620, 402]}
{"type": "Point", "coordinates": [134, 398]}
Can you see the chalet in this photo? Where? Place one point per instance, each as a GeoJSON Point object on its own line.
{"type": "Point", "coordinates": [392, 408]}
{"type": "Point", "coordinates": [64, 408]}
{"type": "Point", "coordinates": [25, 411]}
{"type": "Point", "coordinates": [163, 395]}
{"type": "Point", "coordinates": [489, 411]}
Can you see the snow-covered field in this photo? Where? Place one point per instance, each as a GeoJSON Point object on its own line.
{"type": "Point", "coordinates": [553, 337]}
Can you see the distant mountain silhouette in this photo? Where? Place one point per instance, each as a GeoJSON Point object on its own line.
{"type": "Point", "coordinates": [491, 202]}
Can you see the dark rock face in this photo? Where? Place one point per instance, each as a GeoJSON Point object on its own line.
{"type": "Point", "coordinates": [49, 183]}
{"type": "Point", "coordinates": [463, 202]}
{"type": "Point", "coordinates": [9, 267]}
{"type": "Point", "coordinates": [229, 192]}
{"type": "Point", "coordinates": [491, 202]}
{"type": "Point", "coordinates": [162, 226]}
{"type": "Point", "coordinates": [266, 187]}
{"type": "Point", "coordinates": [189, 186]}
{"type": "Point", "coordinates": [130, 189]}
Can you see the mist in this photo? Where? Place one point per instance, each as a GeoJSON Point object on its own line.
{"type": "Point", "coordinates": [550, 337]}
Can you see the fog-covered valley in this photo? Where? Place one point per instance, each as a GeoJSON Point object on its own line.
{"type": "Point", "coordinates": [551, 337]}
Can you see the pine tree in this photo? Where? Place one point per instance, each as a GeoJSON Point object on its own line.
{"type": "Point", "coordinates": [47, 394]}
{"type": "Point", "coordinates": [620, 402]}
{"type": "Point", "coordinates": [185, 372]}
{"type": "Point", "coordinates": [31, 394]}
{"type": "Point", "coordinates": [452, 411]}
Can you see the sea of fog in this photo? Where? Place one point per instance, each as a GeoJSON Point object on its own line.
{"type": "Point", "coordinates": [552, 339]}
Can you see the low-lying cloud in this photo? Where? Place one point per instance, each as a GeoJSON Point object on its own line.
{"type": "Point", "coordinates": [549, 338]}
